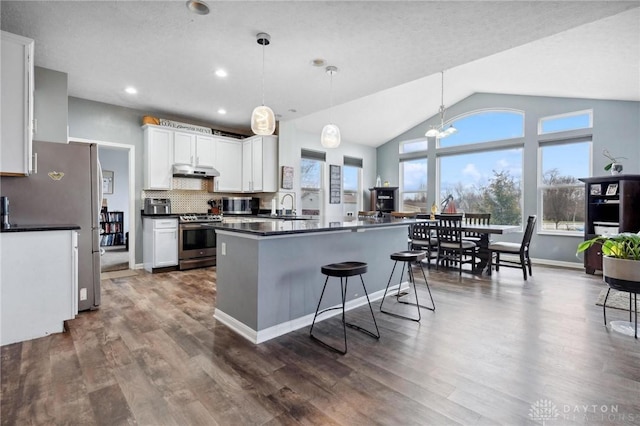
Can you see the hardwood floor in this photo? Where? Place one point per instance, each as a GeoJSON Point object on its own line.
{"type": "Point", "coordinates": [495, 350]}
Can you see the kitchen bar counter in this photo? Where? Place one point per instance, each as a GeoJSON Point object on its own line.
{"type": "Point", "coordinates": [268, 273]}
{"type": "Point", "coordinates": [257, 226]}
{"type": "Point", "coordinates": [38, 228]}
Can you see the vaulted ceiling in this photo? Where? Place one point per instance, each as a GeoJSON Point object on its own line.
{"type": "Point", "coordinates": [389, 55]}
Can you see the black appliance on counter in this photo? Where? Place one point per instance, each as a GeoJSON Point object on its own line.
{"type": "Point", "coordinates": [196, 240]}
{"type": "Point", "coordinates": [4, 212]}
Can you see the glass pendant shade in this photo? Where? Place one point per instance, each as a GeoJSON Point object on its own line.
{"type": "Point", "coordinates": [330, 137]}
{"type": "Point", "coordinates": [263, 120]}
{"type": "Point", "coordinates": [432, 133]}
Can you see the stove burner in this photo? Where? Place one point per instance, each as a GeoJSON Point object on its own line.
{"type": "Point", "coordinates": [193, 217]}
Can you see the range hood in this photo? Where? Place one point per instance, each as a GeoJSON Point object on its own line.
{"type": "Point", "coordinates": [188, 171]}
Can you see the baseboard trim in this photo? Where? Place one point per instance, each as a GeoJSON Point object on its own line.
{"type": "Point", "coordinates": [269, 333]}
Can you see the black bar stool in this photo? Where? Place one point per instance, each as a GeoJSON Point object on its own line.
{"type": "Point", "coordinates": [407, 257]}
{"type": "Point", "coordinates": [344, 270]}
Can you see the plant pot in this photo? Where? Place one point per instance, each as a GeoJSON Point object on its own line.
{"type": "Point", "coordinates": [621, 274]}
{"type": "Point", "coordinates": [616, 168]}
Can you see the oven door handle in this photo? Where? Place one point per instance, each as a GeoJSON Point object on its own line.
{"type": "Point", "coordinates": [194, 226]}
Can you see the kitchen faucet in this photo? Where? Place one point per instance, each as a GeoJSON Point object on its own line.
{"type": "Point", "coordinates": [293, 203]}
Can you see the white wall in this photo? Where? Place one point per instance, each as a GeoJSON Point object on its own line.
{"type": "Point", "coordinates": [292, 140]}
{"type": "Point", "coordinates": [117, 161]}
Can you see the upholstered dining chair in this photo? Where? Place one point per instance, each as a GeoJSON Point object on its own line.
{"type": "Point", "coordinates": [475, 219]}
{"type": "Point", "coordinates": [521, 250]}
{"type": "Point", "coordinates": [451, 247]}
{"type": "Point", "coordinates": [422, 238]}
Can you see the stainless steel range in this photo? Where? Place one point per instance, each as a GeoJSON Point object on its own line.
{"type": "Point", "coordinates": [197, 242]}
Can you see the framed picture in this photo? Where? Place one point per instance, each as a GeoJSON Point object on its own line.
{"type": "Point", "coordinates": [612, 189]}
{"type": "Point", "coordinates": [335, 184]}
{"type": "Point", "coordinates": [595, 189]}
{"type": "Point", "coordinates": [287, 177]}
{"type": "Point", "coordinates": [107, 182]}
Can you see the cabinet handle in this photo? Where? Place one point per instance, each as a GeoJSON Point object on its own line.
{"type": "Point", "coordinates": [35, 126]}
{"type": "Point", "coordinates": [191, 161]}
{"type": "Point", "coordinates": [35, 163]}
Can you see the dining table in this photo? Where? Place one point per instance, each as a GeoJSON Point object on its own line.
{"type": "Point", "coordinates": [485, 232]}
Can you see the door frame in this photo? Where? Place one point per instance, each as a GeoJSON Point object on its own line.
{"type": "Point", "coordinates": [132, 186]}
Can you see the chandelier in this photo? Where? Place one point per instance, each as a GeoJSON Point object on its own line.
{"type": "Point", "coordinates": [440, 132]}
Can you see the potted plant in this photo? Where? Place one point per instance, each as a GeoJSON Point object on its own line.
{"type": "Point", "coordinates": [614, 166]}
{"type": "Point", "coordinates": [620, 255]}
{"type": "Point", "coordinates": [620, 269]}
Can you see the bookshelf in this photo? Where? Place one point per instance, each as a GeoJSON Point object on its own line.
{"type": "Point", "coordinates": [112, 228]}
{"type": "Point", "coordinates": [384, 199]}
{"type": "Point", "coordinates": [612, 204]}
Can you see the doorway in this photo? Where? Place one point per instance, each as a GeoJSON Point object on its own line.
{"type": "Point", "coordinates": [117, 218]}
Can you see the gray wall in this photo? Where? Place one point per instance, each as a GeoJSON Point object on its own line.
{"type": "Point", "coordinates": [109, 123]}
{"type": "Point", "coordinates": [616, 127]}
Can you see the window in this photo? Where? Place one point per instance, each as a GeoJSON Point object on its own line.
{"type": "Point", "coordinates": [311, 179]}
{"type": "Point", "coordinates": [414, 185]}
{"type": "Point", "coordinates": [484, 182]}
{"type": "Point", "coordinates": [413, 146]}
{"type": "Point", "coordinates": [563, 122]}
{"type": "Point", "coordinates": [485, 126]}
{"type": "Point", "coordinates": [561, 193]}
{"type": "Point", "coordinates": [352, 185]}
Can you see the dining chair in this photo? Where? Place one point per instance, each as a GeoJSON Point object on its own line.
{"type": "Point", "coordinates": [475, 219]}
{"type": "Point", "coordinates": [519, 249]}
{"type": "Point", "coordinates": [422, 238]}
{"type": "Point", "coordinates": [451, 247]}
{"type": "Point", "coordinates": [403, 215]}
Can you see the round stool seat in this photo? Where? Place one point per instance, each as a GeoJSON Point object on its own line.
{"type": "Point", "coordinates": [344, 269]}
{"type": "Point", "coordinates": [408, 256]}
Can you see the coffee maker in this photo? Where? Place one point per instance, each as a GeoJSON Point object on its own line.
{"type": "Point", "coordinates": [4, 212]}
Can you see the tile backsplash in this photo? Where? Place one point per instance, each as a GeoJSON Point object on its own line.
{"type": "Point", "coordinates": [191, 196]}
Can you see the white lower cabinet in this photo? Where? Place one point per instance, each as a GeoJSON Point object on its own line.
{"type": "Point", "coordinates": [159, 243]}
{"type": "Point", "coordinates": [38, 283]}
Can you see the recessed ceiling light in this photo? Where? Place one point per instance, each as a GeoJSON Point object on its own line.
{"type": "Point", "coordinates": [198, 7]}
{"type": "Point", "coordinates": [221, 73]}
{"type": "Point", "coordinates": [222, 111]}
{"type": "Point", "coordinates": [318, 62]}
{"type": "Point", "coordinates": [131, 90]}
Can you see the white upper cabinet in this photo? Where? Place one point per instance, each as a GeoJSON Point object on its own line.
{"type": "Point", "coordinates": [184, 148]}
{"type": "Point", "coordinates": [51, 106]}
{"type": "Point", "coordinates": [228, 155]}
{"type": "Point", "coordinates": [193, 149]}
{"type": "Point", "coordinates": [260, 164]}
{"type": "Point", "coordinates": [16, 108]}
{"type": "Point", "coordinates": [158, 157]}
{"type": "Point", "coordinates": [205, 151]}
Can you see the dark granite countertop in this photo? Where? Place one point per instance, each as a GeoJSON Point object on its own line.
{"type": "Point", "coordinates": [267, 227]}
{"type": "Point", "coordinates": [160, 216]}
{"type": "Point", "coordinates": [38, 228]}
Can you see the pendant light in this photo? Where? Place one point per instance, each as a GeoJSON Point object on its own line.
{"type": "Point", "coordinates": [263, 121]}
{"type": "Point", "coordinates": [330, 137]}
{"type": "Point", "coordinates": [439, 131]}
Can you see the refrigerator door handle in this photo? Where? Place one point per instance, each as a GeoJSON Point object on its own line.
{"type": "Point", "coordinates": [35, 163]}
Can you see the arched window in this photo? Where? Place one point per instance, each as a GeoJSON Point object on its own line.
{"type": "Point", "coordinates": [485, 126]}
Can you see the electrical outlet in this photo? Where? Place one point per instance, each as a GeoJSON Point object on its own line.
{"type": "Point", "coordinates": [83, 294]}
{"type": "Point", "coordinates": [223, 248]}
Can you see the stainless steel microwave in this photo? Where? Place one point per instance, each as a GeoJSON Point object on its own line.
{"type": "Point", "coordinates": [238, 205]}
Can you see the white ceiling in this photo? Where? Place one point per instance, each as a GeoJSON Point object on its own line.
{"type": "Point", "coordinates": [389, 53]}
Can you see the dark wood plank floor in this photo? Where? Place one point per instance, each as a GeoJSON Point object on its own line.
{"type": "Point", "coordinates": [495, 350]}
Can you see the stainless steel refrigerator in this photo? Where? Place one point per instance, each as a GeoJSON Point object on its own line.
{"type": "Point", "coordinates": [66, 189]}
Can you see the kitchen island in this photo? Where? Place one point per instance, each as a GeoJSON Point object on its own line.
{"type": "Point", "coordinates": [268, 272]}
